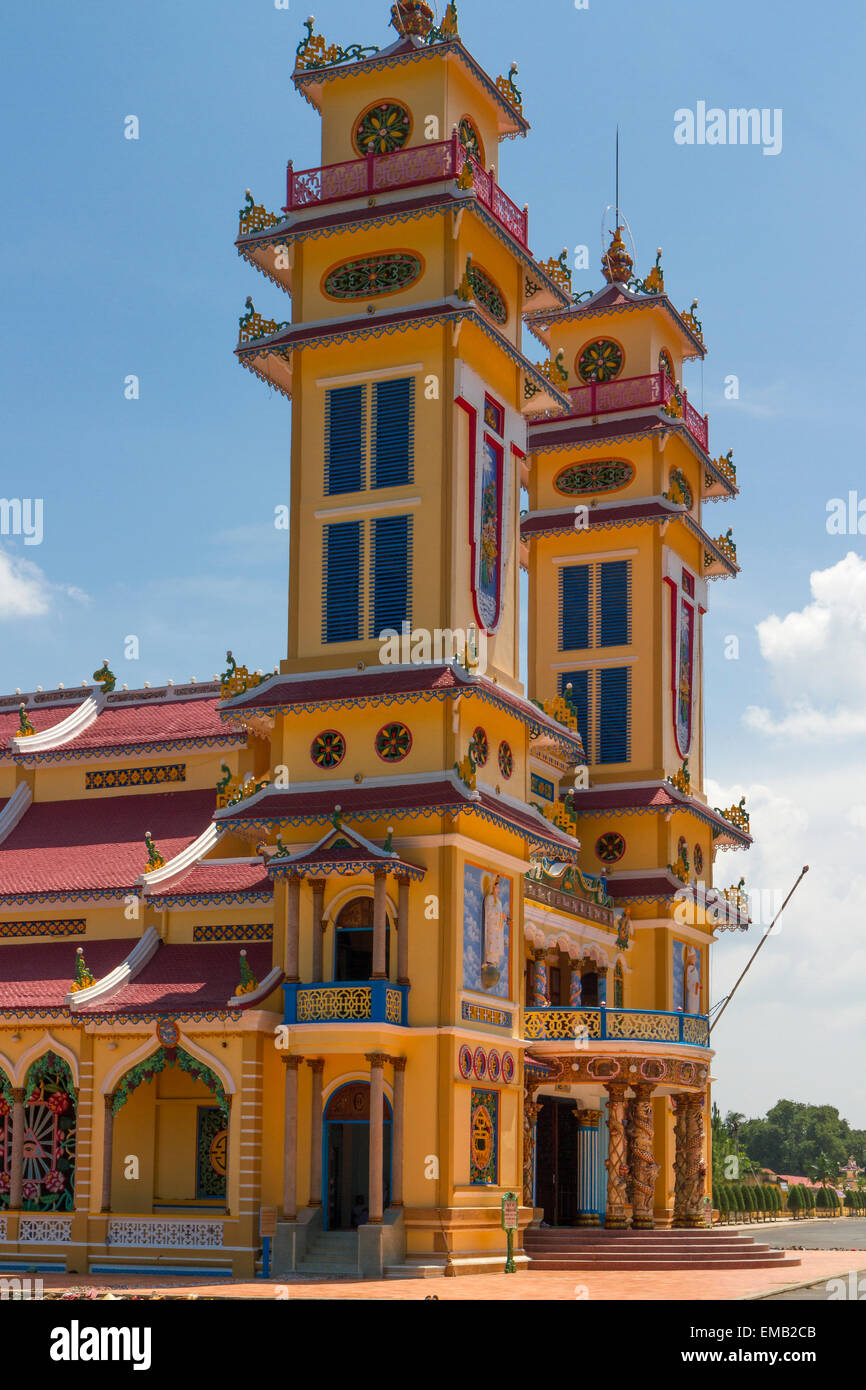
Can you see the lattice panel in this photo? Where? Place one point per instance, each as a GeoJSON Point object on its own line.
{"type": "Point", "coordinates": [152, 1235]}
{"type": "Point", "coordinates": [562, 1023]}
{"type": "Point", "coordinates": [323, 1005]}
{"type": "Point", "coordinates": [47, 1230]}
{"type": "Point", "coordinates": [642, 1027]}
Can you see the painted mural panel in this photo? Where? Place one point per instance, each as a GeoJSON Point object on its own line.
{"type": "Point", "coordinates": [687, 978]}
{"type": "Point", "coordinates": [486, 931]}
{"type": "Point", "coordinates": [484, 1137]}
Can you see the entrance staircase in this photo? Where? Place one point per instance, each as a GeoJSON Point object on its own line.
{"type": "Point", "coordinates": [332, 1254]}
{"type": "Point", "coordinates": [568, 1248]}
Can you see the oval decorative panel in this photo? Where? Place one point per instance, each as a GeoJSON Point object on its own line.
{"type": "Point", "coordinates": [387, 272]}
{"type": "Point", "coordinates": [605, 475]}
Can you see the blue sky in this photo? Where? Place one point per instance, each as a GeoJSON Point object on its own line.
{"type": "Point", "coordinates": [118, 258]}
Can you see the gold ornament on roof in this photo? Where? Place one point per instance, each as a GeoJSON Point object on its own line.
{"type": "Point", "coordinates": [506, 87]}
{"type": "Point", "coordinates": [248, 980]}
{"type": "Point", "coordinates": [254, 217]}
{"type": "Point", "coordinates": [692, 322]}
{"type": "Point", "coordinates": [412, 17]}
{"type": "Point", "coordinates": [616, 263]}
{"type": "Point", "coordinates": [737, 815]}
{"type": "Point", "coordinates": [682, 779]}
{"type": "Point", "coordinates": [558, 270]}
{"type": "Point", "coordinates": [154, 858]}
{"type": "Point", "coordinates": [25, 726]}
{"type": "Point", "coordinates": [83, 978]}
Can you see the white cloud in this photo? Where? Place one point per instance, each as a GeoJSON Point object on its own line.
{"type": "Point", "coordinates": [25, 592]}
{"type": "Point", "coordinates": [817, 658]}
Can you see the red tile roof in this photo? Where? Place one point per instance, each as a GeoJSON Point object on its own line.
{"type": "Point", "coordinates": [217, 878]}
{"type": "Point", "coordinates": [182, 978]}
{"type": "Point", "coordinates": [578, 429]}
{"type": "Point", "coordinates": [97, 844]}
{"type": "Point", "coordinates": [162, 721]}
{"type": "Point", "coordinates": [39, 974]}
{"type": "Point", "coordinates": [41, 719]}
{"type": "Point", "coordinates": [563, 520]}
{"type": "Point", "coordinates": [655, 796]}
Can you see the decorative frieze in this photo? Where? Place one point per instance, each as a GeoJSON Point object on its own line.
{"type": "Point", "coordinates": [152, 1235]}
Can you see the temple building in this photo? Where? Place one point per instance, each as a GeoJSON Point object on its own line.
{"type": "Point", "coordinates": [390, 931]}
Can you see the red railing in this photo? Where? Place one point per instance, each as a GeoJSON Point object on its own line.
{"type": "Point", "coordinates": [379, 173]}
{"type": "Point", "coordinates": [602, 398]}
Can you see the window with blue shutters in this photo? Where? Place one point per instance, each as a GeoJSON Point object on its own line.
{"type": "Point", "coordinates": [613, 733]}
{"type": "Point", "coordinates": [345, 439]}
{"type": "Point", "coordinates": [579, 697]}
{"type": "Point", "coordinates": [574, 607]}
{"type": "Point", "coordinates": [614, 603]}
{"type": "Point", "coordinates": [393, 432]}
{"type": "Point", "coordinates": [390, 573]}
{"type": "Point", "coordinates": [341, 582]}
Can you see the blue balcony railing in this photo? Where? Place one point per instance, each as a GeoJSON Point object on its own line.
{"type": "Point", "coordinates": [556, 1024]}
{"type": "Point", "coordinates": [347, 1001]}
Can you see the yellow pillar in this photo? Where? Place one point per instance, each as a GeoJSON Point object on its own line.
{"type": "Point", "coordinates": [290, 1141]}
{"type": "Point", "coordinates": [317, 1066]}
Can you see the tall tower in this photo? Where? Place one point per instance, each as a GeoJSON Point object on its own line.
{"type": "Point", "coordinates": [396, 803]}
{"type": "Point", "coordinates": [620, 562]}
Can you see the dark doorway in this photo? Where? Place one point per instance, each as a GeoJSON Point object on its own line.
{"type": "Point", "coordinates": [347, 1157]}
{"type": "Point", "coordinates": [556, 1159]}
{"type": "Point", "coordinates": [354, 942]}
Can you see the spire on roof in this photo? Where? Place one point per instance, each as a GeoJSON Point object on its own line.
{"type": "Point", "coordinates": [616, 263]}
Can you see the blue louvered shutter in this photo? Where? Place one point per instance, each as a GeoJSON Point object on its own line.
{"type": "Point", "coordinates": [341, 582]}
{"type": "Point", "coordinates": [345, 427]}
{"type": "Point", "coordinates": [393, 432]}
{"type": "Point", "coordinates": [390, 573]}
{"type": "Point", "coordinates": [579, 696]}
{"type": "Point", "coordinates": [573, 607]}
{"type": "Point", "coordinates": [614, 596]}
{"type": "Point", "coordinates": [614, 715]}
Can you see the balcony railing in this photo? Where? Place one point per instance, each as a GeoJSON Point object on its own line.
{"type": "Point", "coordinates": [382, 173]}
{"type": "Point", "coordinates": [556, 1024]}
{"type": "Point", "coordinates": [347, 1001]}
{"type": "Point", "coordinates": [632, 392]}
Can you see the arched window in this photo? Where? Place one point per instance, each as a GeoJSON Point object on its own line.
{"type": "Point", "coordinates": [49, 1136]}
{"type": "Point", "coordinates": [353, 958]}
{"type": "Point", "coordinates": [5, 1139]}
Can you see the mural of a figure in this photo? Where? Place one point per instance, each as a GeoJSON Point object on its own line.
{"type": "Point", "coordinates": [486, 931]}
{"type": "Point", "coordinates": [693, 981]}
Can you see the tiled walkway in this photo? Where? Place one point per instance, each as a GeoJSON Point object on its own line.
{"type": "Point", "coordinates": [681, 1285]}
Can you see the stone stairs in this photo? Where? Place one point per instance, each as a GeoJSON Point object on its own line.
{"type": "Point", "coordinates": [573, 1248]}
{"type": "Point", "coordinates": [332, 1253]}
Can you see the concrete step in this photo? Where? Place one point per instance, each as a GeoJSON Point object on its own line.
{"type": "Point", "coordinates": [414, 1271]}
{"type": "Point", "coordinates": [605, 1262]}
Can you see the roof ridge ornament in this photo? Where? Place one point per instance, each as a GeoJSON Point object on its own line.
{"type": "Point", "coordinates": [105, 677]}
{"type": "Point", "coordinates": [154, 858]}
{"type": "Point", "coordinates": [312, 52]}
{"type": "Point", "coordinates": [83, 978]}
{"type": "Point", "coordinates": [248, 982]}
{"type": "Point", "coordinates": [25, 724]}
{"type": "Point", "coordinates": [507, 88]}
{"type": "Point", "coordinates": [413, 18]}
{"type": "Point", "coordinates": [654, 281]}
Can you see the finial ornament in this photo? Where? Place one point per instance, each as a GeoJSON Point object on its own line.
{"type": "Point", "coordinates": [105, 677]}
{"type": "Point", "coordinates": [412, 17]}
{"type": "Point", "coordinates": [25, 725]}
{"type": "Point", "coordinates": [154, 858]}
{"type": "Point", "coordinates": [83, 978]}
{"type": "Point", "coordinates": [616, 263]}
{"type": "Point", "coordinates": [248, 980]}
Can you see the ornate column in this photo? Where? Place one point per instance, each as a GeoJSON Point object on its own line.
{"type": "Point", "coordinates": [17, 1155]}
{"type": "Point", "coordinates": [317, 1066]}
{"type": "Point", "coordinates": [380, 923]}
{"type": "Point", "coordinates": [696, 1171]}
{"type": "Point", "coordinates": [530, 1118]}
{"type": "Point", "coordinates": [629, 1150]}
{"type": "Point", "coordinates": [680, 1103]}
{"type": "Point", "coordinates": [397, 1154]}
{"type": "Point", "coordinates": [575, 986]}
{"type": "Point", "coordinates": [615, 1164]}
{"type": "Point", "coordinates": [539, 980]}
{"type": "Point", "coordinates": [602, 984]}
{"type": "Point", "coordinates": [644, 1167]}
{"type": "Point", "coordinates": [588, 1122]}
{"type": "Point", "coordinates": [107, 1149]}
{"type": "Point", "coordinates": [293, 920]}
{"type": "Point", "coordinates": [318, 887]}
{"type": "Point", "coordinates": [231, 1146]}
{"type": "Point", "coordinates": [402, 931]}
{"type": "Point", "coordinates": [290, 1139]}
{"type": "Point", "coordinates": [377, 1062]}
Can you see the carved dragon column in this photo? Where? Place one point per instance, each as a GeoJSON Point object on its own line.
{"type": "Point", "coordinates": [617, 1171]}
{"type": "Point", "coordinates": [644, 1167]}
{"type": "Point", "coordinates": [530, 1116]}
{"type": "Point", "coordinates": [696, 1170]}
{"type": "Point", "coordinates": [629, 1149]}
{"type": "Point", "coordinates": [680, 1185]}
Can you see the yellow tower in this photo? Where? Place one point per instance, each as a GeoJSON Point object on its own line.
{"type": "Point", "coordinates": [400, 737]}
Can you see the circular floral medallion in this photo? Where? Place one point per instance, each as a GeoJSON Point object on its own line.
{"type": "Point", "coordinates": [699, 858]}
{"type": "Point", "coordinates": [387, 272]}
{"type": "Point", "coordinates": [493, 1066]}
{"type": "Point", "coordinates": [488, 294]}
{"type": "Point", "coordinates": [600, 361]}
{"type": "Point", "coordinates": [393, 742]}
{"type": "Point", "coordinates": [507, 1067]}
{"type": "Point", "coordinates": [383, 127]}
{"type": "Point", "coordinates": [479, 747]}
{"type": "Point", "coordinates": [479, 1063]}
{"type": "Point", "coordinates": [328, 749]}
{"type": "Point", "coordinates": [604, 476]}
{"type": "Point", "coordinates": [471, 140]}
{"type": "Point", "coordinates": [506, 760]}
{"type": "Point", "coordinates": [465, 1062]}
{"type": "Point", "coordinates": [610, 847]}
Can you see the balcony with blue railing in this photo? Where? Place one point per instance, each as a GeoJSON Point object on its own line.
{"type": "Point", "coordinates": [347, 1001]}
{"type": "Point", "coordinates": [555, 1024]}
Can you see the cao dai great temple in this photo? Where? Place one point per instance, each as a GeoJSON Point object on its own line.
{"type": "Point", "coordinates": [386, 934]}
